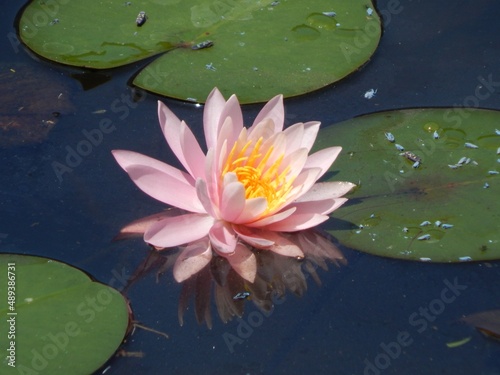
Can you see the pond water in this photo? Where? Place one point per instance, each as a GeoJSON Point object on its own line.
{"type": "Point", "coordinates": [371, 316]}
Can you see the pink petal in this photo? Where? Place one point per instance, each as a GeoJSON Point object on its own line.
{"type": "Point", "coordinates": [227, 138]}
{"type": "Point", "coordinates": [322, 207]}
{"type": "Point", "coordinates": [253, 209]}
{"type": "Point", "coordinates": [212, 178]}
{"type": "Point", "coordinates": [311, 129]}
{"type": "Point", "coordinates": [298, 222]}
{"type": "Point", "coordinates": [325, 190]}
{"type": "Point", "coordinates": [178, 230]}
{"type": "Point", "coordinates": [264, 239]}
{"type": "Point", "coordinates": [211, 115]}
{"type": "Point", "coordinates": [294, 135]}
{"type": "Point", "coordinates": [264, 129]}
{"type": "Point", "coordinates": [304, 181]}
{"type": "Point", "coordinates": [233, 200]}
{"type": "Point", "coordinates": [264, 222]}
{"type": "Point", "coordinates": [295, 161]}
{"type": "Point", "coordinates": [232, 110]}
{"type": "Point", "coordinates": [223, 238]}
{"type": "Point", "coordinates": [307, 215]}
{"type": "Point", "coordinates": [243, 261]}
{"type": "Point", "coordinates": [138, 227]}
{"type": "Point", "coordinates": [192, 260]}
{"type": "Point", "coordinates": [159, 180]}
{"type": "Point", "coordinates": [273, 110]}
{"type": "Point", "coordinates": [203, 196]}
{"type": "Point", "coordinates": [182, 141]}
{"type": "Point", "coordinates": [254, 237]}
{"type": "Point", "coordinates": [323, 159]}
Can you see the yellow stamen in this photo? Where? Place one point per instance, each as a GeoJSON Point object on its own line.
{"type": "Point", "coordinates": [259, 177]}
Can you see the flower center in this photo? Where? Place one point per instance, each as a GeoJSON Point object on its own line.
{"type": "Point", "coordinates": [260, 176]}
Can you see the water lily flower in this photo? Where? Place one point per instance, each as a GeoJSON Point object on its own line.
{"type": "Point", "coordinates": [250, 184]}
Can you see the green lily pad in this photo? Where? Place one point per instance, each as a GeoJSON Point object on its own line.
{"type": "Point", "coordinates": [255, 49]}
{"type": "Point", "coordinates": [59, 321]}
{"type": "Point", "coordinates": [445, 210]}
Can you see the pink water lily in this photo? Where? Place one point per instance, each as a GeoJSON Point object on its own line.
{"type": "Point", "coordinates": [250, 184]}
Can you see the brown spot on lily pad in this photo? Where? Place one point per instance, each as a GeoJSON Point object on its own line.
{"type": "Point", "coordinates": [31, 101]}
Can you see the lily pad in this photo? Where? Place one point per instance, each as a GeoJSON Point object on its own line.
{"type": "Point", "coordinates": [59, 321]}
{"type": "Point", "coordinates": [446, 208]}
{"type": "Point", "coordinates": [255, 49]}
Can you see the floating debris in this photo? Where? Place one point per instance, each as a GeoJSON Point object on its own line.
{"type": "Point", "coordinates": [329, 14]}
{"type": "Point", "coordinates": [425, 223]}
{"type": "Point", "coordinates": [497, 132]}
{"type": "Point", "coordinates": [369, 12]}
{"type": "Point", "coordinates": [406, 230]}
{"type": "Point", "coordinates": [465, 259]}
{"type": "Point", "coordinates": [411, 156]}
{"type": "Point", "coordinates": [416, 164]}
{"type": "Point", "coordinates": [458, 343]}
{"type": "Point", "coordinates": [435, 134]}
{"type": "Point", "coordinates": [390, 137]}
{"type": "Point", "coordinates": [399, 147]}
{"type": "Point", "coordinates": [437, 223]}
{"type": "Point", "coordinates": [493, 172]}
{"type": "Point", "coordinates": [241, 295]}
{"type": "Point", "coordinates": [425, 259]}
{"type": "Point", "coordinates": [210, 67]}
{"type": "Point", "coordinates": [54, 21]}
{"type": "Point", "coordinates": [446, 226]}
{"type": "Point", "coordinates": [141, 18]}
{"type": "Point", "coordinates": [486, 185]}
{"type": "Point", "coordinates": [201, 45]}
{"type": "Point", "coordinates": [463, 160]}
{"type": "Point", "coordinates": [470, 145]}
{"type": "Point", "coordinates": [498, 151]}
{"type": "Point", "coordinates": [425, 237]}
{"type": "Point", "coordinates": [274, 3]}
{"type": "Point", "coordinates": [370, 93]}
{"type": "Point", "coordinates": [454, 166]}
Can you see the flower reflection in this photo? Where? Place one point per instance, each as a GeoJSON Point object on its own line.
{"type": "Point", "coordinates": [276, 275]}
{"type": "Point", "coordinates": [251, 185]}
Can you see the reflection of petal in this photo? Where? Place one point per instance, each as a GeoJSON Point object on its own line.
{"type": "Point", "coordinates": [228, 275]}
{"type": "Point", "coordinates": [243, 262]}
{"type": "Point", "coordinates": [227, 307]}
{"type": "Point", "coordinates": [197, 286]}
{"type": "Point", "coordinates": [192, 259]}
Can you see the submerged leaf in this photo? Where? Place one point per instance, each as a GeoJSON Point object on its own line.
{"type": "Point", "coordinates": [437, 201]}
{"type": "Point", "coordinates": [31, 101]}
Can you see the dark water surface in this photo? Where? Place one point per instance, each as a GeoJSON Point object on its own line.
{"type": "Point", "coordinates": [373, 316]}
